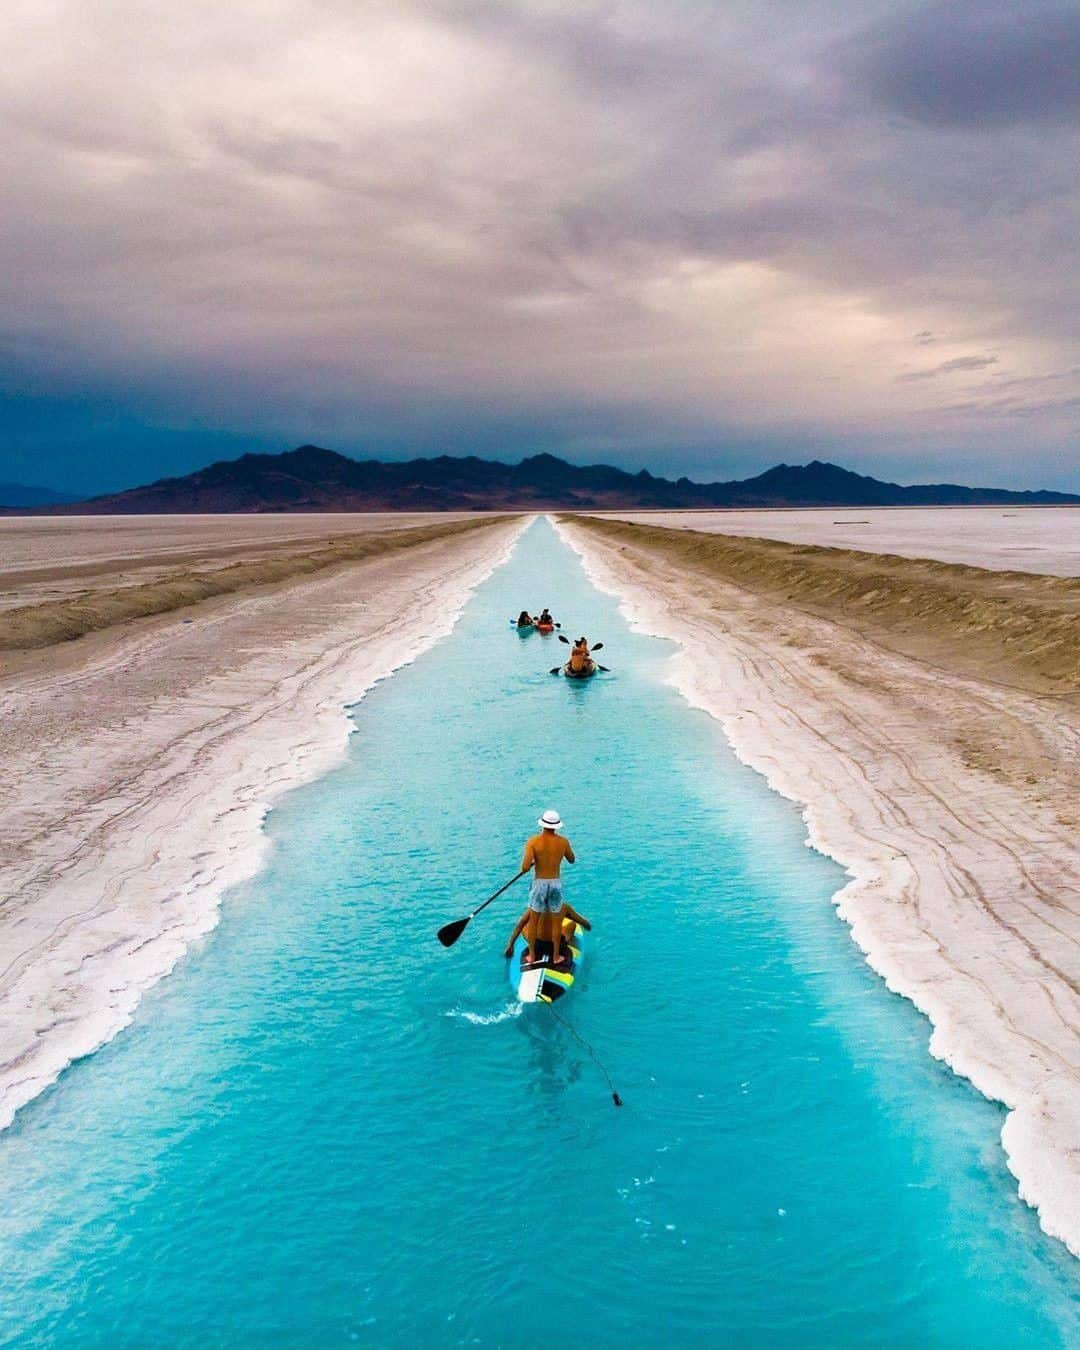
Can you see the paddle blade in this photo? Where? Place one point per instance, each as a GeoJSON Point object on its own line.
{"type": "Point", "coordinates": [616, 1099]}
{"type": "Point", "coordinates": [597, 646]}
{"type": "Point", "coordinates": [564, 639]}
{"type": "Point", "coordinates": [554, 670]}
{"type": "Point", "coordinates": [450, 933]}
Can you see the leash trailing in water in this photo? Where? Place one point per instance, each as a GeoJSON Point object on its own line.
{"type": "Point", "coordinates": [592, 1053]}
{"type": "Point", "coordinates": [547, 982]}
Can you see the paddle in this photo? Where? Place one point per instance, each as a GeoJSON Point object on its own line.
{"type": "Point", "coordinates": [450, 932]}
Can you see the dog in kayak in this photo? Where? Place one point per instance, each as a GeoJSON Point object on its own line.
{"type": "Point", "coordinates": [580, 663]}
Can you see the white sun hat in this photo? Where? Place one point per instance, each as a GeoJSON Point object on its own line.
{"type": "Point", "coordinates": [550, 820]}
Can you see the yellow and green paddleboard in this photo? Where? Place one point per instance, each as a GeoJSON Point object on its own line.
{"type": "Point", "coordinates": [544, 982]}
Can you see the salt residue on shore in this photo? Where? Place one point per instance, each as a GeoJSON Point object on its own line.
{"type": "Point", "coordinates": [140, 769]}
{"type": "Point", "coordinates": [948, 801]}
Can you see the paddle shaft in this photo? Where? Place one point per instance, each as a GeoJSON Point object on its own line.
{"type": "Point", "coordinates": [499, 892]}
{"type": "Point", "coordinates": [449, 933]}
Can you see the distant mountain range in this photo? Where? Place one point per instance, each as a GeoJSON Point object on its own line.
{"type": "Point", "coordinates": [22, 496]}
{"type": "Point", "coordinates": [312, 479]}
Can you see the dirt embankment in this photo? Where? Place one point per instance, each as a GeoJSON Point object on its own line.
{"type": "Point", "coordinates": [1009, 627]}
{"type": "Point", "coordinates": [42, 625]}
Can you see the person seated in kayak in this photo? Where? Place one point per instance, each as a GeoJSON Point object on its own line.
{"type": "Point", "coordinates": [544, 854]}
{"type": "Point", "coordinates": [579, 656]}
{"type": "Point", "coordinates": [545, 617]}
{"type": "Point", "coordinates": [568, 912]}
{"type": "Point", "coordinates": [525, 619]}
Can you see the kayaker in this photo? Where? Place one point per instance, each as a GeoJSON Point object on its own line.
{"type": "Point", "coordinates": [544, 854]}
{"type": "Point", "coordinates": [545, 617]}
{"type": "Point", "coordinates": [525, 619]}
{"type": "Point", "coordinates": [568, 912]}
{"type": "Point", "coordinates": [579, 656]}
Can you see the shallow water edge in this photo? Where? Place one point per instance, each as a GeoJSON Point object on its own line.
{"type": "Point", "coordinates": [1043, 1117]}
{"type": "Point", "coordinates": [171, 854]}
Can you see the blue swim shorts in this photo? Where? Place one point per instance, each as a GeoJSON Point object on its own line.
{"type": "Point", "coordinates": [546, 897]}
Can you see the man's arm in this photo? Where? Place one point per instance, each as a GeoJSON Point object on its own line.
{"type": "Point", "coordinates": [568, 853]}
{"type": "Point", "coordinates": [530, 856]}
{"type": "Point", "coordinates": [519, 928]}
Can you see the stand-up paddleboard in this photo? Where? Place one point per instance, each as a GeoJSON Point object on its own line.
{"type": "Point", "coordinates": [544, 983]}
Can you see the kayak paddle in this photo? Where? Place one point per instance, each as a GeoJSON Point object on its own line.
{"type": "Point", "coordinates": [450, 932]}
{"type": "Point", "coordinates": [596, 647]}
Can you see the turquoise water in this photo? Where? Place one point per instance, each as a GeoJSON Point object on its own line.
{"type": "Point", "coordinates": [324, 1128]}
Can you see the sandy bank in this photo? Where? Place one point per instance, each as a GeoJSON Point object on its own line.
{"type": "Point", "coordinates": [927, 720]}
{"type": "Point", "coordinates": [1012, 627]}
{"type": "Point", "coordinates": [142, 759]}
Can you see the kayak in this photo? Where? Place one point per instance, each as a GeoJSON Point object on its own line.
{"type": "Point", "coordinates": [541, 983]}
{"type": "Point", "coordinates": [522, 627]}
{"type": "Point", "coordinates": [545, 628]}
{"type": "Point", "coordinates": [583, 674]}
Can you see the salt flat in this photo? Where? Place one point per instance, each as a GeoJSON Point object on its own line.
{"type": "Point", "coordinates": [1024, 539]}
{"type": "Point", "coordinates": [41, 541]}
{"type": "Point", "coordinates": [45, 557]}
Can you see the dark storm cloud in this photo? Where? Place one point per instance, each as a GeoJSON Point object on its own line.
{"type": "Point", "coordinates": [963, 64]}
{"type": "Point", "coordinates": [623, 230]}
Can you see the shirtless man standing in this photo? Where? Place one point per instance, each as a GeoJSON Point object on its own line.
{"type": "Point", "coordinates": [545, 852]}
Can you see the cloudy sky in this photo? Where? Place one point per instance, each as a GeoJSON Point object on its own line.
{"type": "Point", "coordinates": [701, 237]}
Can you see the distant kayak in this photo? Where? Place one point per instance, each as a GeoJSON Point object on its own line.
{"type": "Point", "coordinates": [543, 983]}
{"type": "Point", "coordinates": [545, 628]}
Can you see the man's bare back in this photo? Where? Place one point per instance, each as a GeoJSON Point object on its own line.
{"type": "Point", "coordinates": [546, 852]}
